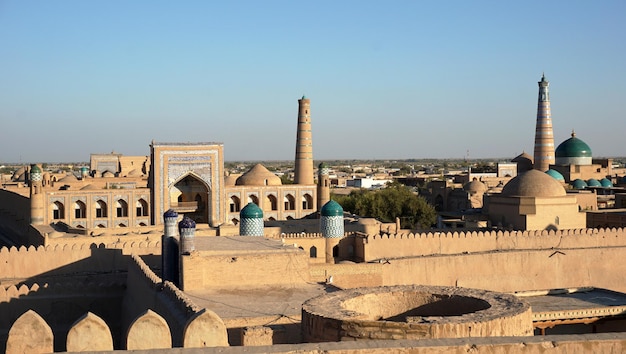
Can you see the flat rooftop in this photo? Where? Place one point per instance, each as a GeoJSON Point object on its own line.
{"type": "Point", "coordinates": [577, 305]}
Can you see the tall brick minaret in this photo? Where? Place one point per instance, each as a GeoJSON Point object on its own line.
{"type": "Point", "coordinates": [304, 144]}
{"type": "Point", "coordinates": [544, 138]}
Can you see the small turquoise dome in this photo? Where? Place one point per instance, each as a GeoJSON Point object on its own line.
{"type": "Point", "coordinates": [187, 223]}
{"type": "Point", "coordinates": [592, 182]}
{"type": "Point", "coordinates": [251, 211]}
{"type": "Point", "coordinates": [556, 175]}
{"type": "Point", "coordinates": [170, 213]}
{"type": "Point", "coordinates": [606, 183]}
{"type": "Point", "coordinates": [332, 208]}
{"type": "Point", "coordinates": [579, 184]}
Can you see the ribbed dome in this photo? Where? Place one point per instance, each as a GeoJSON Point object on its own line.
{"type": "Point", "coordinates": [606, 183]}
{"type": "Point", "coordinates": [573, 151]}
{"type": "Point", "coordinates": [556, 175]}
{"type": "Point", "coordinates": [524, 162]}
{"type": "Point", "coordinates": [475, 186]}
{"type": "Point", "coordinates": [592, 182]}
{"type": "Point", "coordinates": [533, 183]}
{"type": "Point", "coordinates": [523, 157]}
{"type": "Point", "coordinates": [187, 223]}
{"type": "Point", "coordinates": [332, 208]}
{"type": "Point", "coordinates": [170, 213]}
{"type": "Point", "coordinates": [251, 211]}
{"type": "Point", "coordinates": [579, 184]}
{"type": "Point", "coordinates": [258, 176]}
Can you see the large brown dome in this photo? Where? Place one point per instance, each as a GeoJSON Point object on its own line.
{"type": "Point", "coordinates": [533, 183]}
{"type": "Point", "coordinates": [258, 176]}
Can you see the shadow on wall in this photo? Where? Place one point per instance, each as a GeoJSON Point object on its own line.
{"type": "Point", "coordinates": [61, 296]}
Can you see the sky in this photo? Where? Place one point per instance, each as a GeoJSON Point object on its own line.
{"type": "Point", "coordinates": [386, 79]}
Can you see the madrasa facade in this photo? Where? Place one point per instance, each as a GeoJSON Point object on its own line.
{"type": "Point", "coordinates": [119, 191]}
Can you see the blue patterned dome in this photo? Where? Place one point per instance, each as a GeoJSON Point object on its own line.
{"type": "Point", "coordinates": [251, 211]}
{"type": "Point", "coordinates": [606, 183]}
{"type": "Point", "coordinates": [187, 223]}
{"type": "Point", "coordinates": [170, 213]}
{"type": "Point", "coordinates": [556, 175]}
{"type": "Point", "coordinates": [592, 182]}
{"type": "Point", "coordinates": [579, 184]}
{"type": "Point", "coordinates": [332, 208]}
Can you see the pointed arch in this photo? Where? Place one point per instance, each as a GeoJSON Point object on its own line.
{"type": "Point", "coordinates": [252, 198]}
{"type": "Point", "coordinates": [272, 202]}
{"type": "Point", "coordinates": [235, 204]}
{"type": "Point", "coordinates": [290, 202]}
{"type": "Point", "coordinates": [121, 208]}
{"type": "Point", "coordinates": [307, 201]}
{"type": "Point", "coordinates": [313, 252]}
{"type": "Point", "coordinates": [80, 210]}
{"type": "Point", "coordinates": [101, 209]}
{"type": "Point", "coordinates": [142, 207]}
{"type": "Point", "coordinates": [190, 195]}
{"type": "Point", "coordinates": [58, 210]}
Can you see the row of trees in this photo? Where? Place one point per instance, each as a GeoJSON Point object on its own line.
{"type": "Point", "coordinates": [396, 200]}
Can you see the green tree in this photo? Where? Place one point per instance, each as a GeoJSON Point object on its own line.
{"type": "Point", "coordinates": [387, 204]}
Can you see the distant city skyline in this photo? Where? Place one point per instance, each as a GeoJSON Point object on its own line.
{"type": "Point", "coordinates": [395, 80]}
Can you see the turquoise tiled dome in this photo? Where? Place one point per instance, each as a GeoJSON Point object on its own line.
{"type": "Point", "coordinates": [332, 208]}
{"type": "Point", "coordinates": [579, 184]}
{"type": "Point", "coordinates": [606, 183]}
{"type": "Point", "coordinates": [251, 211]}
{"type": "Point", "coordinates": [592, 182]}
{"type": "Point", "coordinates": [556, 175]}
{"type": "Point", "coordinates": [573, 147]}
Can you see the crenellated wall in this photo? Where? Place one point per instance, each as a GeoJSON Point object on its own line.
{"type": "Point", "coordinates": [448, 243]}
{"type": "Point", "coordinates": [60, 304]}
{"type": "Point", "coordinates": [146, 291]}
{"type": "Point", "coordinates": [71, 258]}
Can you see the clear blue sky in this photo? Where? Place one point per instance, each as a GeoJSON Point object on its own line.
{"type": "Point", "coordinates": [386, 79]}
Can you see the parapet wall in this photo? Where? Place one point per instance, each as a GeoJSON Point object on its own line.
{"type": "Point", "coordinates": [146, 291]}
{"type": "Point", "coordinates": [448, 243]}
{"type": "Point", "coordinates": [22, 263]}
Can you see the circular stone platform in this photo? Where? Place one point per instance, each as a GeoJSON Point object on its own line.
{"type": "Point", "coordinates": [414, 312]}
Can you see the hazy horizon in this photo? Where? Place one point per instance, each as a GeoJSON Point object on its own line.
{"type": "Point", "coordinates": [387, 81]}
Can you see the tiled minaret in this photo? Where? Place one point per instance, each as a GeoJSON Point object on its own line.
{"type": "Point", "coordinates": [323, 185]}
{"type": "Point", "coordinates": [304, 144]}
{"type": "Point", "coordinates": [36, 196]}
{"type": "Point", "coordinates": [544, 138]}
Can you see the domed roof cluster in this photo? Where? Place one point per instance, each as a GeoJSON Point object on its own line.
{"type": "Point", "coordinates": [533, 183]}
{"type": "Point", "coordinates": [592, 182]}
{"type": "Point", "coordinates": [258, 176]}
